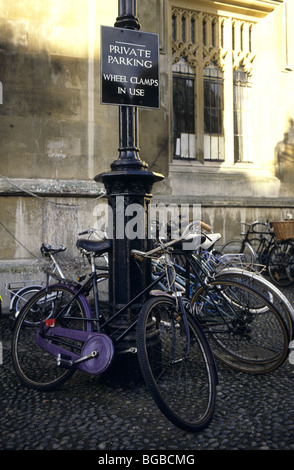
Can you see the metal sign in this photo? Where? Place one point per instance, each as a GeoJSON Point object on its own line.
{"type": "Point", "coordinates": [129, 67]}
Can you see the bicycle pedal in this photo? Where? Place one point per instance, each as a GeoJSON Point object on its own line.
{"type": "Point", "coordinates": [64, 360]}
{"type": "Point", "coordinates": [131, 350]}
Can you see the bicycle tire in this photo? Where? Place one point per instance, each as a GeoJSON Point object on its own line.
{"type": "Point", "coordinates": [251, 342]}
{"type": "Point", "coordinates": [161, 343]}
{"type": "Point", "coordinates": [266, 288]}
{"type": "Point", "coordinates": [280, 263]}
{"type": "Point", "coordinates": [238, 247]}
{"type": "Point", "coordinates": [36, 368]}
{"type": "Point", "coordinates": [22, 296]}
{"type": "Point", "coordinates": [258, 282]}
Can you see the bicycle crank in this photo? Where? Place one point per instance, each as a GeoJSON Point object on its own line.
{"type": "Point", "coordinates": [64, 360]}
{"type": "Point", "coordinates": [96, 353]}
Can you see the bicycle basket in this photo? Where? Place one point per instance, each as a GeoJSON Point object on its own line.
{"type": "Point", "coordinates": [284, 229]}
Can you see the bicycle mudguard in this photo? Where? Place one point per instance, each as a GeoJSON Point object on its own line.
{"type": "Point", "coordinates": [83, 300]}
{"type": "Point", "coordinates": [157, 293]}
{"type": "Point", "coordinates": [97, 343]}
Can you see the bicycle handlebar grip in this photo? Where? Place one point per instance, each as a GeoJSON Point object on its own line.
{"type": "Point", "coordinates": [204, 226]}
{"type": "Point", "coordinates": [138, 253]}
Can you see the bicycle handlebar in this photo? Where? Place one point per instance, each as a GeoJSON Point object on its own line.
{"type": "Point", "coordinates": [256, 222]}
{"type": "Point", "coordinates": [252, 225]}
{"type": "Point", "coordinates": [146, 254]}
{"type": "Point", "coordinates": [85, 232]}
{"type": "Point", "coordinates": [90, 231]}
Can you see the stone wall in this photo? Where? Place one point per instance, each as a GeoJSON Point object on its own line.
{"type": "Point", "coordinates": [55, 136]}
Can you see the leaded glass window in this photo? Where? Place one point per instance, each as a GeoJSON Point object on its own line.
{"type": "Point", "coordinates": [213, 113]}
{"type": "Point", "coordinates": [183, 110]}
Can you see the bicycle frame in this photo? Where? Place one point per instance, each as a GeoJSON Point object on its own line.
{"type": "Point", "coordinates": [85, 287]}
{"type": "Point", "coordinates": [266, 240]}
{"type": "Point", "coordinates": [201, 273]}
{"type": "Point", "coordinates": [80, 289]}
{"type": "Point", "coordinates": [35, 284]}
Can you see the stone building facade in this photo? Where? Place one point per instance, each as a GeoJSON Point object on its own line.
{"type": "Point", "coordinates": [223, 136]}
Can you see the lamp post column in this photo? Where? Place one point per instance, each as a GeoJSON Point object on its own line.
{"type": "Point", "coordinates": [128, 185]}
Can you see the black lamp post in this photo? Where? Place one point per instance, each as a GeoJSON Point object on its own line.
{"type": "Point", "coordinates": [128, 182]}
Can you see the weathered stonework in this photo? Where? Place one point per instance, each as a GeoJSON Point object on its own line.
{"type": "Point", "coordinates": [55, 136]}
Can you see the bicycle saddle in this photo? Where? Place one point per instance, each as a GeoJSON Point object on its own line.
{"type": "Point", "coordinates": [194, 239]}
{"type": "Point", "coordinates": [210, 240]}
{"type": "Point", "coordinates": [46, 248]}
{"type": "Point", "coordinates": [97, 247]}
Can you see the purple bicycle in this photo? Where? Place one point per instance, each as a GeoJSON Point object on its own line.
{"type": "Point", "coordinates": [57, 332]}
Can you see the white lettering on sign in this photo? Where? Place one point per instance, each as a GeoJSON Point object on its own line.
{"type": "Point", "coordinates": [135, 80]}
{"type": "Point", "coordinates": [137, 91]}
{"type": "Point", "coordinates": [144, 81]}
{"type": "Point", "coordinates": [129, 61]}
{"type": "Point", "coordinates": [132, 56]}
{"type": "Point", "coordinates": [115, 78]}
{"type": "Point", "coordinates": [129, 51]}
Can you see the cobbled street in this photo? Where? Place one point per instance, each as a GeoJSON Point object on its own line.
{"type": "Point", "coordinates": [88, 413]}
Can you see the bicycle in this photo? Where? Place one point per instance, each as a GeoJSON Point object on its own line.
{"type": "Point", "coordinates": [20, 296]}
{"type": "Point", "coordinates": [262, 246]}
{"type": "Point", "coordinates": [218, 268]}
{"type": "Point", "coordinates": [232, 266]}
{"type": "Point", "coordinates": [281, 256]}
{"type": "Point", "coordinates": [247, 330]}
{"type": "Point", "coordinates": [213, 265]}
{"type": "Point", "coordinates": [54, 271]}
{"type": "Point", "coordinates": [254, 245]}
{"type": "Point", "coordinates": [57, 333]}
{"type": "Point", "coordinates": [221, 267]}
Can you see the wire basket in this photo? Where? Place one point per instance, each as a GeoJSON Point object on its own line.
{"type": "Point", "coordinates": [284, 229]}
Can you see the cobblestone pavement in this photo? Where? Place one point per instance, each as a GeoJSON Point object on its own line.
{"type": "Point", "coordinates": [87, 413]}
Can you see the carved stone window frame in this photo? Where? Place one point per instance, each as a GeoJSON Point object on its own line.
{"type": "Point", "coordinates": [208, 38]}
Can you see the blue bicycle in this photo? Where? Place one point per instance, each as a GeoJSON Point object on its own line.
{"type": "Point", "coordinates": [244, 315]}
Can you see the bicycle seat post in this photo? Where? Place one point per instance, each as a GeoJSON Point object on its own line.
{"type": "Point", "coordinates": [56, 265]}
{"type": "Point", "coordinates": [95, 289]}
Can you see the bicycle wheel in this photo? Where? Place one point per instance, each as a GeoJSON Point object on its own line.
{"type": "Point", "coordinates": [35, 367]}
{"type": "Point", "coordinates": [250, 339]}
{"type": "Point", "coordinates": [240, 253]}
{"type": "Point", "coordinates": [22, 296]}
{"type": "Point", "coordinates": [177, 364]}
{"type": "Point", "coordinates": [280, 264]}
{"type": "Point", "coordinates": [264, 287]}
